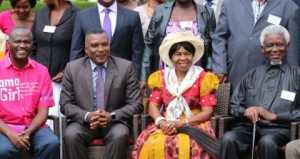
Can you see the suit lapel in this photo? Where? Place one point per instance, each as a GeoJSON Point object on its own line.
{"type": "Point", "coordinates": [248, 6]}
{"type": "Point", "coordinates": [46, 15]}
{"type": "Point", "coordinates": [88, 81]}
{"type": "Point", "coordinates": [120, 20]}
{"type": "Point", "coordinates": [200, 17]}
{"type": "Point", "coordinates": [166, 15]}
{"type": "Point", "coordinates": [110, 75]}
{"type": "Point", "coordinates": [95, 17]}
{"type": "Point", "coordinates": [270, 5]}
{"type": "Point", "coordinates": [67, 14]}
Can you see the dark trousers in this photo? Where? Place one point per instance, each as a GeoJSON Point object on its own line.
{"type": "Point", "coordinates": [237, 143]}
{"type": "Point", "coordinates": [77, 139]}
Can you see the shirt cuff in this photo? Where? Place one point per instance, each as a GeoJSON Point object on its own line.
{"type": "Point", "coordinates": [283, 117]}
{"type": "Point", "coordinates": [86, 117]}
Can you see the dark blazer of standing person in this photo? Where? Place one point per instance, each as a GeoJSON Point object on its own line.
{"type": "Point", "coordinates": [165, 13]}
{"type": "Point", "coordinates": [94, 112]}
{"type": "Point", "coordinates": [127, 36]}
{"type": "Point", "coordinates": [52, 31]}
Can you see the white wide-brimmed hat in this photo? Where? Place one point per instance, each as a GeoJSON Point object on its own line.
{"type": "Point", "coordinates": [182, 36]}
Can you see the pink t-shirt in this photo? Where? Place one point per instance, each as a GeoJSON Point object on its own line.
{"type": "Point", "coordinates": [22, 92]}
{"type": "Point", "coordinates": [6, 22]}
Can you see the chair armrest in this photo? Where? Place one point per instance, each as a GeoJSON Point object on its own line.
{"type": "Point", "coordinates": [146, 119]}
{"type": "Point", "coordinates": [136, 125]}
{"type": "Point", "coordinates": [55, 120]}
{"type": "Point", "coordinates": [298, 132]}
{"type": "Point", "coordinates": [294, 130]}
{"type": "Point", "coordinates": [215, 123]}
{"type": "Point", "coordinates": [224, 124]}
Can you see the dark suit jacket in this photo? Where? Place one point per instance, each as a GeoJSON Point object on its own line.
{"type": "Point", "coordinates": [157, 31]}
{"type": "Point", "coordinates": [127, 41]}
{"type": "Point", "coordinates": [122, 90]}
{"type": "Point", "coordinates": [53, 50]}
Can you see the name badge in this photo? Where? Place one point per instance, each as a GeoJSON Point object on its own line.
{"type": "Point", "coordinates": [287, 95]}
{"type": "Point", "coordinates": [49, 29]}
{"type": "Point", "coordinates": [273, 19]}
{"type": "Point", "coordinates": [186, 25]}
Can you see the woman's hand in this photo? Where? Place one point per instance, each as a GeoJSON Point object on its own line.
{"type": "Point", "coordinates": [180, 123]}
{"type": "Point", "coordinates": [168, 127]}
{"type": "Point", "coordinates": [58, 78]}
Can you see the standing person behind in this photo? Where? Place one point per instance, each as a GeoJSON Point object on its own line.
{"type": "Point", "coordinates": [146, 11]}
{"type": "Point", "coordinates": [185, 94]}
{"type": "Point", "coordinates": [26, 94]}
{"type": "Point", "coordinates": [21, 14]}
{"type": "Point", "coordinates": [216, 5]}
{"type": "Point", "coordinates": [52, 33]}
{"type": "Point", "coordinates": [172, 17]}
{"type": "Point", "coordinates": [122, 26]}
{"type": "Point", "coordinates": [267, 95]}
{"type": "Point", "coordinates": [3, 38]}
{"type": "Point", "coordinates": [236, 47]}
{"type": "Point", "coordinates": [99, 98]}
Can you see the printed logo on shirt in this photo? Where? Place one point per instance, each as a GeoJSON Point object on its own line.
{"type": "Point", "coordinates": [12, 89]}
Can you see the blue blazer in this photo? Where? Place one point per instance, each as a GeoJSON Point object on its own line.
{"type": "Point", "coordinates": [127, 41]}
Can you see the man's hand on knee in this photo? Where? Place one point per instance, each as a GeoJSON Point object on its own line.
{"type": "Point", "coordinates": [21, 142]}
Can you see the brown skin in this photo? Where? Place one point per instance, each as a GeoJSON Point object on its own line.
{"type": "Point", "coordinates": [97, 48]}
{"type": "Point", "coordinates": [20, 47]}
{"type": "Point", "coordinates": [106, 3]}
{"type": "Point", "coordinates": [274, 48]}
{"type": "Point", "coordinates": [182, 60]}
{"type": "Point", "coordinates": [23, 14]}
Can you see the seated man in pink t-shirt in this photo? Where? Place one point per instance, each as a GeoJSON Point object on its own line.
{"type": "Point", "coordinates": [25, 96]}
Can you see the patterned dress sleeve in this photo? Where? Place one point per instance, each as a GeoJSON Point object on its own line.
{"type": "Point", "coordinates": [155, 84]}
{"type": "Point", "coordinates": [208, 85]}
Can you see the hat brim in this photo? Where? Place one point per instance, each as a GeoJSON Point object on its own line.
{"type": "Point", "coordinates": [174, 38]}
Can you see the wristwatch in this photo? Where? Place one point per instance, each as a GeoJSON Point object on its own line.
{"type": "Point", "coordinates": [113, 115]}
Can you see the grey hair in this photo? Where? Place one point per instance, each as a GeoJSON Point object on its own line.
{"type": "Point", "coordinates": [19, 30]}
{"type": "Point", "coordinates": [274, 29]}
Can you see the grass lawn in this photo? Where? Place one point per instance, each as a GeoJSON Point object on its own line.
{"type": "Point", "coordinates": [79, 3]}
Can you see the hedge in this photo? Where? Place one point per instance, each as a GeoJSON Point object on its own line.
{"type": "Point", "coordinates": [79, 3]}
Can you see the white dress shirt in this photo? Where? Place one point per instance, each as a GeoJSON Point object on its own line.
{"type": "Point", "coordinates": [258, 8]}
{"type": "Point", "coordinates": [112, 15]}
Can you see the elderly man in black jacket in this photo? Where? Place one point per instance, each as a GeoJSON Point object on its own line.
{"type": "Point", "coordinates": [267, 96]}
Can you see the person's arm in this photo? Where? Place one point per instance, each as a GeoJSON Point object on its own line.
{"type": "Point", "coordinates": [237, 105]}
{"type": "Point", "coordinates": [219, 44]}
{"type": "Point", "coordinates": [133, 97]}
{"type": "Point", "coordinates": [77, 44]}
{"type": "Point", "coordinates": [294, 28]}
{"type": "Point", "coordinates": [68, 101]}
{"type": "Point", "coordinates": [168, 127]}
{"type": "Point", "coordinates": [19, 141]}
{"type": "Point", "coordinates": [37, 121]}
{"type": "Point", "coordinates": [45, 101]}
{"type": "Point", "coordinates": [137, 44]}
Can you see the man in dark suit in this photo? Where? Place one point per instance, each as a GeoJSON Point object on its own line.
{"type": "Point", "coordinates": [121, 24]}
{"type": "Point", "coordinates": [99, 97]}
